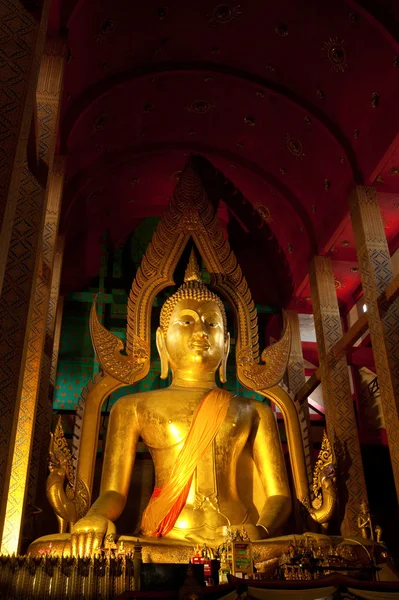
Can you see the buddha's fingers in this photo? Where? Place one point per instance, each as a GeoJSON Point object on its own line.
{"type": "Point", "coordinates": [88, 547]}
{"type": "Point", "coordinates": [74, 544]}
{"type": "Point", "coordinates": [98, 541]}
{"type": "Point", "coordinates": [82, 544]}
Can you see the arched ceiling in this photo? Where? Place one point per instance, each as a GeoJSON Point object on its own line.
{"type": "Point", "coordinates": [294, 102]}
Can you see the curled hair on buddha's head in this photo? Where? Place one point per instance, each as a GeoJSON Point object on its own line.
{"type": "Point", "coordinates": [192, 289]}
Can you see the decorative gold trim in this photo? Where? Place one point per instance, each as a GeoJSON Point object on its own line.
{"type": "Point", "coordinates": [190, 214]}
{"type": "Point", "coordinates": [108, 348]}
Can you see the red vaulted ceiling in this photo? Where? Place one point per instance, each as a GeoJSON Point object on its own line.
{"type": "Point", "coordinates": [293, 102]}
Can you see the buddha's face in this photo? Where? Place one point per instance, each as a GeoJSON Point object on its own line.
{"type": "Point", "coordinates": [195, 340]}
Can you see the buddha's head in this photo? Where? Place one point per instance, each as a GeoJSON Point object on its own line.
{"type": "Point", "coordinates": [193, 337]}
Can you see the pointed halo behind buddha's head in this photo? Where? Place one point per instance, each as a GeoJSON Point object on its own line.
{"type": "Point", "coordinates": [194, 289]}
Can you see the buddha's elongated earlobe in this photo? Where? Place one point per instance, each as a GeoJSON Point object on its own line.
{"type": "Point", "coordinates": [223, 364]}
{"type": "Point", "coordinates": [163, 354]}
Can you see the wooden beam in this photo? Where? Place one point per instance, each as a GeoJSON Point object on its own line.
{"type": "Point", "coordinates": [349, 338]}
{"type": "Point", "coordinates": [309, 387]}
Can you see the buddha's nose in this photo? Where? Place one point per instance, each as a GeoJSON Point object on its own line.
{"type": "Point", "coordinates": [200, 335]}
{"type": "Point", "coordinates": [200, 331]}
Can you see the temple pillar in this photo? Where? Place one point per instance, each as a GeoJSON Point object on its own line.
{"type": "Point", "coordinates": [376, 274]}
{"type": "Point", "coordinates": [38, 467]}
{"type": "Point", "coordinates": [296, 380]}
{"type": "Point", "coordinates": [25, 297]}
{"type": "Point", "coordinates": [23, 28]}
{"type": "Point", "coordinates": [338, 403]}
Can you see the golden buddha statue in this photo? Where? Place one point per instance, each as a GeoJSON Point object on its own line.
{"type": "Point", "coordinates": [218, 457]}
{"type": "Point", "coordinates": [199, 473]}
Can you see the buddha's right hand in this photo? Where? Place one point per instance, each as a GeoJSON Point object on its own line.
{"type": "Point", "coordinates": [88, 533]}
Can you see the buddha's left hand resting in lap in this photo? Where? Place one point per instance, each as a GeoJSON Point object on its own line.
{"type": "Point", "coordinates": [198, 436]}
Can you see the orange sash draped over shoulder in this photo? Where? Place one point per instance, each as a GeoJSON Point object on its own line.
{"type": "Point", "coordinates": [167, 503]}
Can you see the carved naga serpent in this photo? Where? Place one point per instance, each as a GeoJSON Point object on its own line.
{"type": "Point", "coordinates": [323, 504]}
{"type": "Point", "coordinates": [69, 502]}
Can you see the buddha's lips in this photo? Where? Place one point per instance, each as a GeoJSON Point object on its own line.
{"type": "Point", "coordinates": [197, 345]}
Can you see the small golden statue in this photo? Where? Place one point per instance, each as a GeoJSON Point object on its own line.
{"type": "Point", "coordinates": [365, 524]}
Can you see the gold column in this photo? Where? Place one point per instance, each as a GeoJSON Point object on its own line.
{"type": "Point", "coordinates": [39, 457]}
{"type": "Point", "coordinates": [296, 380]}
{"type": "Point", "coordinates": [23, 416]}
{"type": "Point", "coordinates": [22, 32]}
{"type": "Point", "coordinates": [376, 274]}
{"type": "Point", "coordinates": [338, 403]}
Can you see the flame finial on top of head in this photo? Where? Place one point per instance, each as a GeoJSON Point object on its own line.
{"type": "Point", "coordinates": [193, 272]}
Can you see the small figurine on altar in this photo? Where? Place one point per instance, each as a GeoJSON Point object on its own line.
{"type": "Point", "coordinates": [378, 534]}
{"type": "Point", "coordinates": [121, 549]}
{"type": "Point", "coordinates": [110, 546]}
{"type": "Point", "coordinates": [207, 552]}
{"type": "Point", "coordinates": [364, 522]}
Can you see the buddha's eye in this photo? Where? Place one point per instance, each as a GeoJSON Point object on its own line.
{"type": "Point", "coordinates": [213, 324]}
{"type": "Point", "coordinates": [185, 322]}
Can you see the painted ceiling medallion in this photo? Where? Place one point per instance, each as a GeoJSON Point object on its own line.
{"type": "Point", "coordinates": [375, 99]}
{"type": "Point", "coordinates": [161, 13]}
{"type": "Point", "coordinates": [249, 120]}
{"type": "Point", "coordinates": [176, 176]}
{"type": "Point", "coordinates": [339, 283]}
{"type": "Point", "coordinates": [294, 146]}
{"type": "Point", "coordinates": [94, 195]}
{"type": "Point", "coordinates": [264, 213]}
{"type": "Point", "coordinates": [200, 107]}
{"type": "Point", "coordinates": [281, 30]}
{"type": "Point", "coordinates": [99, 124]}
{"type": "Point", "coordinates": [225, 13]}
{"type": "Point", "coordinates": [105, 28]}
{"type": "Point", "coordinates": [334, 50]}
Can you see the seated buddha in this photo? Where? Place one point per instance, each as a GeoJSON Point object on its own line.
{"type": "Point", "coordinates": [203, 440]}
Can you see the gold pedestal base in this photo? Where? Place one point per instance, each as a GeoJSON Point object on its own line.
{"type": "Point", "coordinates": [166, 551]}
